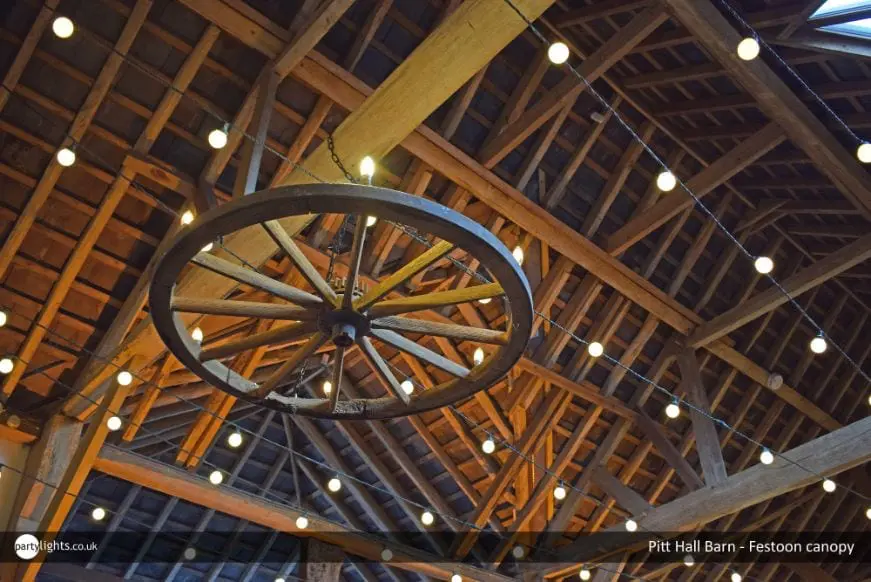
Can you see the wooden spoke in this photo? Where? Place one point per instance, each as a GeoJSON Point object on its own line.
{"type": "Point", "coordinates": [307, 349]}
{"type": "Point", "coordinates": [449, 330]}
{"type": "Point", "coordinates": [338, 364]}
{"type": "Point", "coordinates": [404, 274]}
{"type": "Point", "coordinates": [255, 279]}
{"type": "Point", "coordinates": [413, 348]}
{"type": "Point", "coordinates": [243, 309]}
{"type": "Point", "coordinates": [435, 300]}
{"type": "Point", "coordinates": [284, 240]}
{"type": "Point", "coordinates": [381, 368]}
{"type": "Point", "coordinates": [275, 335]}
{"type": "Point", "coordinates": [356, 257]}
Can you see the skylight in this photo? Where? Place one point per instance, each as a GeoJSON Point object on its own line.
{"type": "Point", "coordinates": [847, 17]}
{"type": "Point", "coordinates": [832, 6]}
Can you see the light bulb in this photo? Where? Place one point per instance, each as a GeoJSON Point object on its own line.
{"type": "Point", "coordinates": [518, 552]}
{"type": "Point", "coordinates": [666, 181]}
{"type": "Point", "coordinates": [302, 522]}
{"type": "Point", "coordinates": [217, 138]}
{"type": "Point", "coordinates": [595, 349]}
{"type": "Point", "coordinates": [456, 578]}
{"type": "Point", "coordinates": [558, 53]}
{"type": "Point", "coordinates": [66, 157]}
{"type": "Point", "coordinates": [478, 356]}
{"type": "Point", "coordinates": [235, 440]}
{"type": "Point", "coordinates": [766, 457]}
{"type": "Point", "coordinates": [631, 525]}
{"type": "Point", "coordinates": [187, 217]}
{"type": "Point", "coordinates": [327, 386]}
{"type": "Point", "coordinates": [427, 518]}
{"type": "Point", "coordinates": [748, 49]}
{"type": "Point", "coordinates": [818, 344]}
{"type": "Point", "coordinates": [736, 577]}
{"type": "Point", "coordinates": [207, 248]}
{"type": "Point", "coordinates": [559, 492]}
{"type": "Point", "coordinates": [485, 300]}
{"type": "Point", "coordinates": [334, 484]}
{"type": "Point", "coordinates": [63, 27]}
{"type": "Point", "coordinates": [3, 318]}
{"type": "Point", "coordinates": [386, 555]}
{"type": "Point", "coordinates": [216, 478]}
{"type": "Point", "coordinates": [689, 561]}
{"type": "Point", "coordinates": [672, 410]}
{"type": "Point", "coordinates": [370, 221]}
{"type": "Point", "coordinates": [488, 446]}
{"type": "Point", "coordinates": [6, 365]}
{"type": "Point", "coordinates": [113, 423]}
{"type": "Point", "coordinates": [517, 253]}
{"type": "Point", "coordinates": [584, 574]}
{"type": "Point", "coordinates": [763, 265]}
{"type": "Point", "coordinates": [367, 167]}
{"type": "Point", "coordinates": [190, 554]}
{"type": "Point", "coordinates": [863, 152]}
{"type": "Point", "coordinates": [197, 334]}
{"type": "Point", "coordinates": [829, 486]}
{"type": "Point", "coordinates": [868, 513]}
{"type": "Point", "coordinates": [407, 386]}
{"type": "Point", "coordinates": [279, 579]}
{"type": "Point", "coordinates": [124, 378]}
{"type": "Point", "coordinates": [99, 514]}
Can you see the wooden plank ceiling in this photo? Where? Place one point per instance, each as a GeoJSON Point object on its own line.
{"type": "Point", "coordinates": [525, 150]}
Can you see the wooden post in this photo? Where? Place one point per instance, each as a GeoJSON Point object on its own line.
{"type": "Point", "coordinates": [323, 562]}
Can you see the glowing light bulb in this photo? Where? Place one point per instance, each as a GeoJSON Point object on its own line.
{"type": "Point", "coordinates": [666, 181]}
{"type": "Point", "coordinates": [485, 300]}
{"type": "Point", "coordinates": [829, 486]}
{"type": "Point", "coordinates": [98, 514]}
{"type": "Point", "coordinates": [66, 157]}
{"type": "Point", "coordinates": [748, 49]}
{"type": "Point", "coordinates": [63, 27]}
{"type": "Point", "coordinates": [584, 574]}
{"type": "Point", "coordinates": [672, 410]}
{"type": "Point", "coordinates": [218, 138]}
{"type": "Point", "coordinates": [689, 561]}
{"type": "Point", "coordinates": [327, 387]}
{"type": "Point", "coordinates": [207, 248]}
{"type": "Point", "coordinates": [113, 423]}
{"type": "Point", "coordinates": [736, 577]}
{"type": "Point", "coordinates": [478, 356]}
{"type": "Point", "coordinates": [488, 446]}
{"type": "Point", "coordinates": [763, 265]}
{"type": "Point", "coordinates": [407, 386]}
{"type": "Point", "coordinates": [595, 349]}
{"type": "Point", "coordinates": [302, 522]}
{"type": "Point", "coordinates": [280, 580]}
{"type": "Point", "coordinates": [863, 152]}
{"type": "Point", "coordinates": [6, 365]}
{"type": "Point", "coordinates": [370, 221]}
{"type": "Point", "coordinates": [558, 53]}
{"type": "Point", "coordinates": [334, 484]}
{"type": "Point", "coordinates": [456, 578]}
{"type": "Point", "coordinates": [386, 554]}
{"type": "Point", "coordinates": [124, 378]}
{"type": "Point", "coordinates": [868, 513]}
{"type": "Point", "coordinates": [235, 440]}
{"type": "Point", "coordinates": [517, 253]}
{"type": "Point", "coordinates": [766, 457]}
{"type": "Point", "coordinates": [187, 217]}
{"type": "Point", "coordinates": [3, 318]}
{"type": "Point", "coordinates": [559, 492]}
{"type": "Point", "coordinates": [518, 552]}
{"type": "Point", "coordinates": [367, 167]}
{"type": "Point", "coordinates": [427, 518]}
{"type": "Point", "coordinates": [818, 344]}
{"type": "Point", "coordinates": [631, 525]}
{"type": "Point", "coordinates": [197, 334]}
{"type": "Point", "coordinates": [216, 478]}
{"type": "Point", "coordinates": [190, 554]}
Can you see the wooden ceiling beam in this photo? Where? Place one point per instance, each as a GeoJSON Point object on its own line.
{"type": "Point", "coordinates": [776, 100]}
{"type": "Point", "coordinates": [816, 274]}
{"type": "Point", "coordinates": [26, 50]}
{"type": "Point", "coordinates": [179, 483]}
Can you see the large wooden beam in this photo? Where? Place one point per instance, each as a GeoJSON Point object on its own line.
{"type": "Point", "coordinates": [179, 483]}
{"type": "Point", "coordinates": [465, 41]}
{"type": "Point", "coordinates": [816, 274]}
{"type": "Point", "coordinates": [827, 455]}
{"type": "Point", "coordinates": [713, 31]}
{"type": "Point", "coordinates": [707, 440]}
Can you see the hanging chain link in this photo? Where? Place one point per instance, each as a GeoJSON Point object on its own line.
{"type": "Point", "coordinates": [331, 145]}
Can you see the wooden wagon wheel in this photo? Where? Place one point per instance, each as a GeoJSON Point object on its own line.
{"type": "Point", "coordinates": [342, 317]}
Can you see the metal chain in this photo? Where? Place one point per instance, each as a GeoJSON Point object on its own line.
{"type": "Point", "coordinates": [331, 145]}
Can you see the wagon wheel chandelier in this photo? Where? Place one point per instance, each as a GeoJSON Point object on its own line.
{"type": "Point", "coordinates": [378, 317]}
